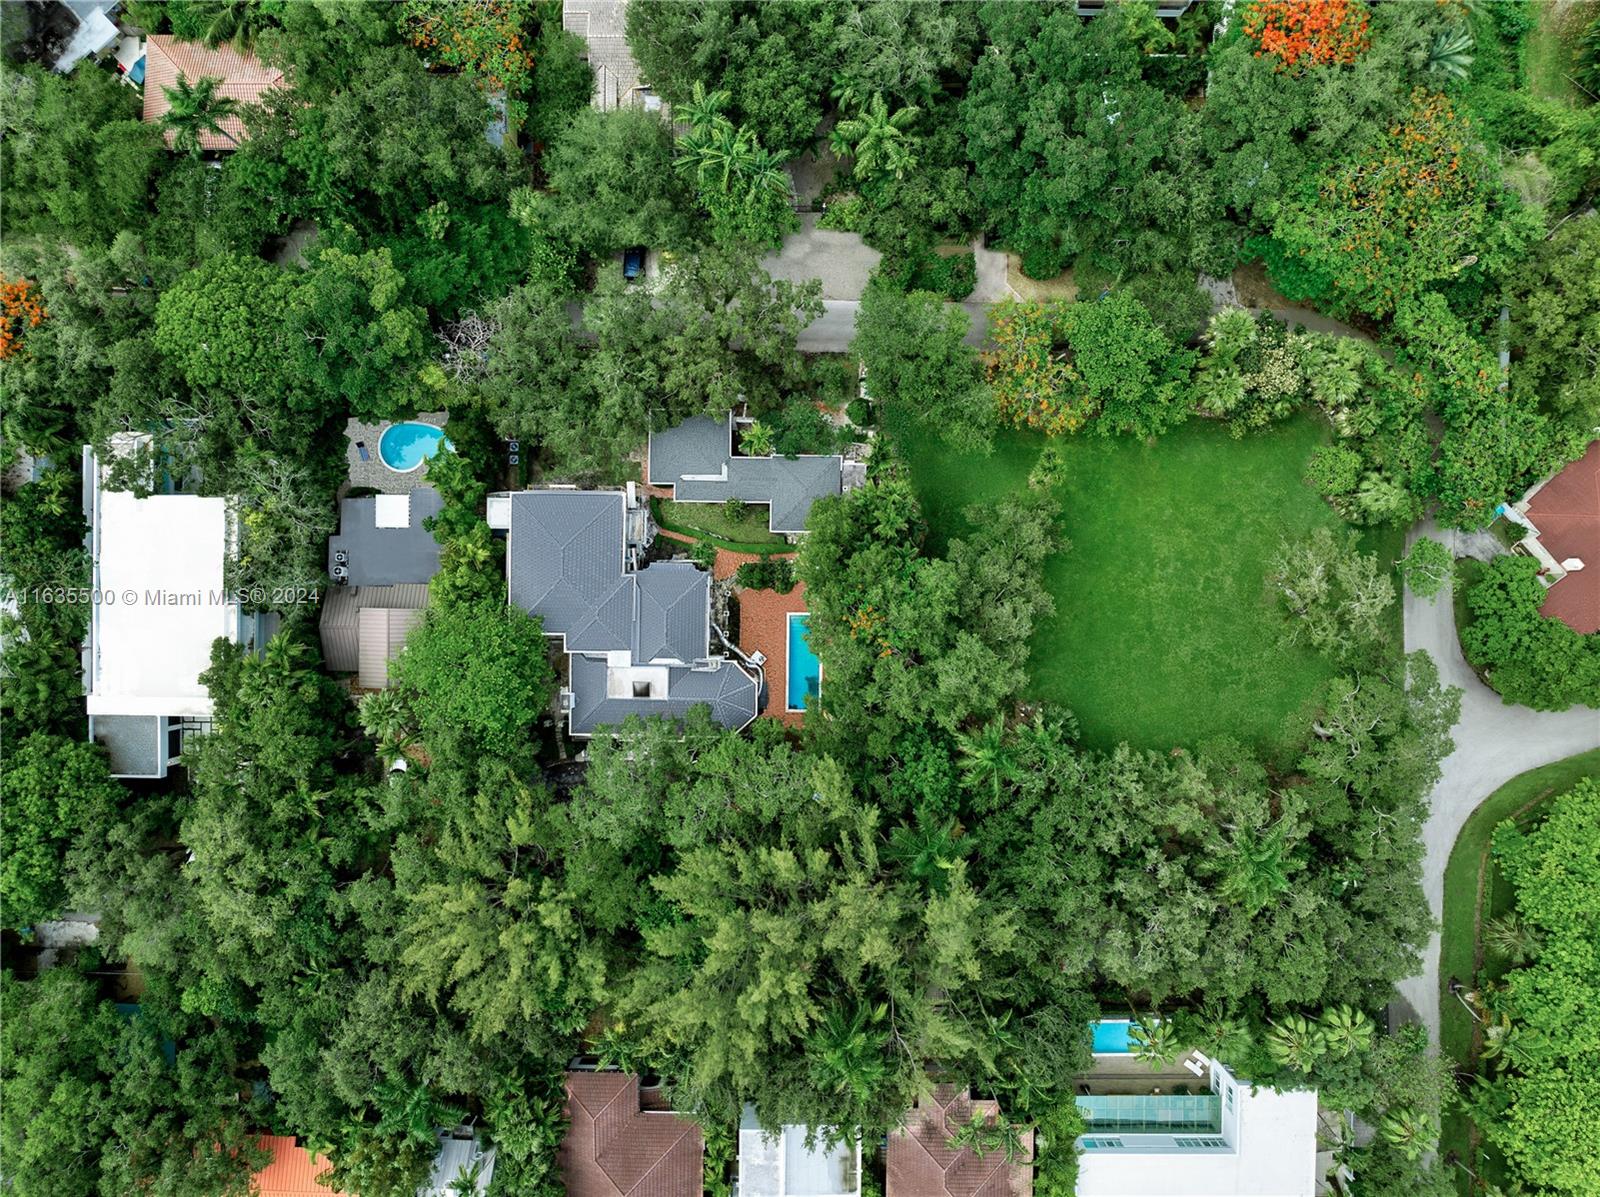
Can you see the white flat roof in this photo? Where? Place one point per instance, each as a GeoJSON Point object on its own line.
{"type": "Point", "coordinates": [1275, 1155]}
{"type": "Point", "coordinates": [159, 571]}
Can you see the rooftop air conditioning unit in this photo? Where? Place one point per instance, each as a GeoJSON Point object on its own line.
{"type": "Point", "coordinates": [341, 575]}
{"type": "Point", "coordinates": [341, 556]}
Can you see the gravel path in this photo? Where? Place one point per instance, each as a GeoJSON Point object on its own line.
{"type": "Point", "coordinates": [1494, 743]}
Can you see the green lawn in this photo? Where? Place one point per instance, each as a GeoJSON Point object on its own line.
{"type": "Point", "coordinates": [747, 530]}
{"type": "Point", "coordinates": [1521, 798]}
{"type": "Point", "coordinates": [1163, 633]}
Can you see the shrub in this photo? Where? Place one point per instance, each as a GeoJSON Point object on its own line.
{"type": "Point", "coordinates": [1527, 658]}
{"type": "Point", "coordinates": [1333, 470]}
{"type": "Point", "coordinates": [767, 574]}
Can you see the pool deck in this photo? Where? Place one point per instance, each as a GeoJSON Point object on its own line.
{"type": "Point", "coordinates": [372, 473]}
{"type": "Point", "coordinates": [764, 627]}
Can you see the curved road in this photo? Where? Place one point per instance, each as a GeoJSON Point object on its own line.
{"type": "Point", "coordinates": [1494, 743]}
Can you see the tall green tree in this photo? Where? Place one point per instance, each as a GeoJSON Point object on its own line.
{"type": "Point", "coordinates": [195, 110]}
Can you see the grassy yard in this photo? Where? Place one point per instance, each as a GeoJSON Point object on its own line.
{"type": "Point", "coordinates": [1469, 867]}
{"type": "Point", "coordinates": [1550, 52]}
{"type": "Point", "coordinates": [1163, 633]}
{"type": "Point", "coordinates": [713, 520]}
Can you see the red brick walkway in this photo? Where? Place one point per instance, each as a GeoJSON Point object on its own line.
{"type": "Point", "coordinates": [764, 628]}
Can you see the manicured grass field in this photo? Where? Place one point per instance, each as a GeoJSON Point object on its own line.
{"type": "Point", "coordinates": [1163, 633]}
{"type": "Point", "coordinates": [1521, 798]}
{"type": "Point", "coordinates": [748, 529]}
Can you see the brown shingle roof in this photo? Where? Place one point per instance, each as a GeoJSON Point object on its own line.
{"type": "Point", "coordinates": [615, 1149]}
{"type": "Point", "coordinates": [921, 1163]}
{"type": "Point", "coordinates": [244, 78]}
{"type": "Point", "coordinates": [1566, 510]}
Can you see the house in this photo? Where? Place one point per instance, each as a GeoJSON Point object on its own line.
{"type": "Point", "coordinates": [638, 638]}
{"type": "Point", "coordinates": [381, 562]}
{"type": "Point", "coordinates": [291, 1172]}
{"type": "Point", "coordinates": [1562, 519]}
{"type": "Point", "coordinates": [1228, 1140]}
{"type": "Point", "coordinates": [784, 1164]}
{"type": "Point", "coordinates": [921, 1162]}
{"type": "Point", "coordinates": [603, 26]}
{"type": "Point", "coordinates": [244, 78]}
{"type": "Point", "coordinates": [696, 459]}
{"type": "Point", "coordinates": [94, 31]}
{"type": "Point", "coordinates": [158, 568]}
{"type": "Point", "coordinates": [614, 1147]}
{"type": "Point", "coordinates": [464, 1165]}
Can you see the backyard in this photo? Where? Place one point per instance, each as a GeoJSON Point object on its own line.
{"type": "Point", "coordinates": [1163, 634]}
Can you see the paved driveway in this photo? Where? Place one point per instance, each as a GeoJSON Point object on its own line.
{"type": "Point", "coordinates": [1494, 743]}
{"type": "Point", "coordinates": [842, 261]}
{"type": "Point", "coordinates": [833, 331]}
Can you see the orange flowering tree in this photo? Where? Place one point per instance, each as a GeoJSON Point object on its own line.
{"type": "Point", "coordinates": [1300, 34]}
{"type": "Point", "coordinates": [488, 40]}
{"type": "Point", "coordinates": [21, 308]}
{"type": "Point", "coordinates": [1409, 211]}
{"type": "Point", "coordinates": [1030, 372]}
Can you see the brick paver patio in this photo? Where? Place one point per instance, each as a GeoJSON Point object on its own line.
{"type": "Point", "coordinates": [764, 628]}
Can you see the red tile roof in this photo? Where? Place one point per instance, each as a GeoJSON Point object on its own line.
{"type": "Point", "coordinates": [921, 1164]}
{"type": "Point", "coordinates": [615, 1149]}
{"type": "Point", "coordinates": [292, 1172]}
{"type": "Point", "coordinates": [1566, 510]}
{"type": "Point", "coordinates": [244, 78]}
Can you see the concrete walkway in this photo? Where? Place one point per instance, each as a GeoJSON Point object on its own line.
{"type": "Point", "coordinates": [1494, 743]}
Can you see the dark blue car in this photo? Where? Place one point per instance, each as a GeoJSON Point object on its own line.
{"type": "Point", "coordinates": [633, 262]}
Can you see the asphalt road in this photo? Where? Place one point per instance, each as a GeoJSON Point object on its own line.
{"type": "Point", "coordinates": [1494, 743]}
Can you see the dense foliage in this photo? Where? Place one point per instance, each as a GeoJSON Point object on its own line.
{"type": "Point", "coordinates": [1539, 1097]}
{"type": "Point", "coordinates": [356, 922]}
{"type": "Point", "coordinates": [1530, 659]}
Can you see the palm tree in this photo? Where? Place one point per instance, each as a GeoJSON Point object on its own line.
{"type": "Point", "coordinates": [984, 1137]}
{"type": "Point", "coordinates": [1348, 1030]}
{"type": "Point", "coordinates": [1451, 51]}
{"type": "Point", "coordinates": [927, 850]}
{"type": "Point", "coordinates": [233, 21]}
{"type": "Point", "coordinates": [385, 715]}
{"type": "Point", "coordinates": [1296, 1043]}
{"type": "Point", "coordinates": [703, 108]}
{"type": "Point", "coordinates": [986, 756]}
{"type": "Point", "coordinates": [877, 139]}
{"type": "Point", "coordinates": [1155, 1040]}
{"type": "Point", "coordinates": [847, 1052]}
{"type": "Point", "coordinates": [1257, 871]}
{"type": "Point", "coordinates": [1511, 936]}
{"type": "Point", "coordinates": [1410, 1131]}
{"type": "Point", "coordinates": [197, 109]}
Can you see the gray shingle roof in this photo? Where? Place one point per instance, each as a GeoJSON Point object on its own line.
{"type": "Point", "coordinates": [728, 690]}
{"type": "Point", "coordinates": [697, 461]}
{"type": "Point", "coordinates": [673, 613]}
{"type": "Point", "coordinates": [387, 556]}
{"type": "Point", "coordinates": [565, 564]}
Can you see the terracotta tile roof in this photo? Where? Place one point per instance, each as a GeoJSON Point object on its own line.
{"type": "Point", "coordinates": [1566, 510]}
{"type": "Point", "coordinates": [244, 78]}
{"type": "Point", "coordinates": [292, 1172]}
{"type": "Point", "coordinates": [921, 1164]}
{"type": "Point", "coordinates": [615, 1149]}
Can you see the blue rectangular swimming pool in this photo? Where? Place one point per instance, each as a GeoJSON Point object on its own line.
{"type": "Point", "coordinates": [1111, 1036]}
{"type": "Point", "coordinates": [805, 671]}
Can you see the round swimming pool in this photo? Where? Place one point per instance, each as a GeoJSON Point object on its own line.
{"type": "Point", "coordinates": [404, 447]}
